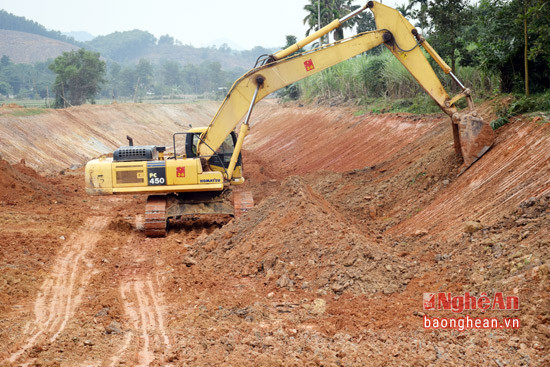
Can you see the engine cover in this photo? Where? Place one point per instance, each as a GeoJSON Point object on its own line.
{"type": "Point", "coordinates": [136, 153]}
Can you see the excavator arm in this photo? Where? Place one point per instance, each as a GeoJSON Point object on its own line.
{"type": "Point", "coordinates": [472, 136]}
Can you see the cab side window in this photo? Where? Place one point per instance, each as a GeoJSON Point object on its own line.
{"type": "Point", "coordinates": [226, 150]}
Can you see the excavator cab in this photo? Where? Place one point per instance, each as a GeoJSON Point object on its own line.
{"type": "Point", "coordinates": [219, 161]}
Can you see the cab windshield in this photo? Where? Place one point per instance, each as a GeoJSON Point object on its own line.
{"type": "Point", "coordinates": [225, 151]}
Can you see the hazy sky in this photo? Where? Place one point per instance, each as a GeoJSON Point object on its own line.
{"type": "Point", "coordinates": [247, 23]}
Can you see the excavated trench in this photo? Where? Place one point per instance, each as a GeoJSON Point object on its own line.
{"type": "Point", "coordinates": [357, 218]}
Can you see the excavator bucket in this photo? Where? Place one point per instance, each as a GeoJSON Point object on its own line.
{"type": "Point", "coordinates": [473, 137]}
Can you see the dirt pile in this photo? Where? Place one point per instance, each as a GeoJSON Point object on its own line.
{"type": "Point", "coordinates": [296, 239]}
{"type": "Point", "coordinates": [513, 255]}
{"type": "Point", "coordinates": [21, 184]}
{"type": "Point", "coordinates": [404, 166]}
{"type": "Point", "coordinates": [7, 107]}
{"type": "Point", "coordinates": [261, 178]}
{"type": "Point", "coordinates": [36, 215]}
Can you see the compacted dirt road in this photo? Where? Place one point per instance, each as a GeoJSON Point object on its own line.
{"type": "Point", "coordinates": [356, 219]}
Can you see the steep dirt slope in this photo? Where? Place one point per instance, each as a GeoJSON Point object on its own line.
{"type": "Point", "coordinates": [516, 169]}
{"type": "Point", "coordinates": [310, 139]}
{"type": "Point", "coordinates": [411, 162]}
{"type": "Point", "coordinates": [58, 139]}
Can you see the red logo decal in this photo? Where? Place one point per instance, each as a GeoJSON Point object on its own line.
{"type": "Point", "coordinates": [180, 171]}
{"type": "Point", "coordinates": [429, 301]}
{"type": "Point", "coordinates": [309, 65]}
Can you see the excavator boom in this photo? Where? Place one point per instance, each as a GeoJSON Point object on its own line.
{"type": "Point", "coordinates": [472, 136]}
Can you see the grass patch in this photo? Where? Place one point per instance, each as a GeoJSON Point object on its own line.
{"type": "Point", "coordinates": [418, 176]}
{"type": "Point", "coordinates": [421, 104]}
{"type": "Point", "coordinates": [499, 122]}
{"type": "Point", "coordinates": [28, 112]}
{"type": "Point", "coordinates": [513, 105]}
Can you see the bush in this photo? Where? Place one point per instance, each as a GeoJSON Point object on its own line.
{"type": "Point", "coordinates": [516, 105]}
{"type": "Point", "coordinates": [383, 76]}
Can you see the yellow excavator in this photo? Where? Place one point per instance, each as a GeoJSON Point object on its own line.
{"type": "Point", "coordinates": [196, 180]}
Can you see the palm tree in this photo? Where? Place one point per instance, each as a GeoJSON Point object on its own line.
{"type": "Point", "coordinates": [322, 12]}
{"type": "Point", "coordinates": [316, 17]}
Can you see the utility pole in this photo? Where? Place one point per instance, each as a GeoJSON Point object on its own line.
{"type": "Point", "coordinates": [319, 19]}
{"type": "Point", "coordinates": [525, 49]}
{"type": "Point", "coordinates": [136, 90]}
{"type": "Point", "coordinates": [63, 94]}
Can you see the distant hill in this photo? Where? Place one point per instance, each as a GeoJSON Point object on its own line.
{"type": "Point", "coordinates": [26, 41]}
{"type": "Point", "coordinates": [13, 22]}
{"type": "Point", "coordinates": [28, 48]}
{"type": "Point", "coordinates": [186, 54]}
{"type": "Point", "coordinates": [130, 46]}
{"type": "Point", "coordinates": [225, 41]}
{"type": "Point", "coordinates": [80, 36]}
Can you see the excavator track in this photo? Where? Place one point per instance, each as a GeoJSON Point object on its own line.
{"type": "Point", "coordinates": [155, 216]}
{"type": "Point", "coordinates": [242, 202]}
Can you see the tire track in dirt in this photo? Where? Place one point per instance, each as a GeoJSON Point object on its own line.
{"type": "Point", "coordinates": [143, 306]}
{"type": "Point", "coordinates": [147, 339]}
{"type": "Point", "coordinates": [61, 293]}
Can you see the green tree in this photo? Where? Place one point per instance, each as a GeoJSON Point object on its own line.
{"type": "Point", "coordinates": [171, 73]}
{"type": "Point", "coordinates": [79, 76]}
{"type": "Point", "coordinates": [4, 61]}
{"type": "Point", "coordinates": [28, 81]}
{"type": "Point", "coordinates": [5, 88]}
{"type": "Point", "coordinates": [128, 80]}
{"type": "Point", "coordinates": [536, 34]}
{"type": "Point", "coordinates": [417, 9]}
{"type": "Point", "coordinates": [191, 78]}
{"type": "Point", "coordinates": [539, 29]}
{"type": "Point", "coordinates": [497, 43]}
{"type": "Point", "coordinates": [365, 22]}
{"type": "Point", "coordinates": [166, 40]}
{"type": "Point", "coordinates": [144, 72]}
{"type": "Point", "coordinates": [291, 91]}
{"type": "Point", "coordinates": [448, 19]}
{"type": "Point", "coordinates": [290, 40]}
{"type": "Point", "coordinates": [114, 71]}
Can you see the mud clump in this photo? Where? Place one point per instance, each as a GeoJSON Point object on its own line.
{"type": "Point", "coordinates": [121, 224]}
{"type": "Point", "coordinates": [296, 239]}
